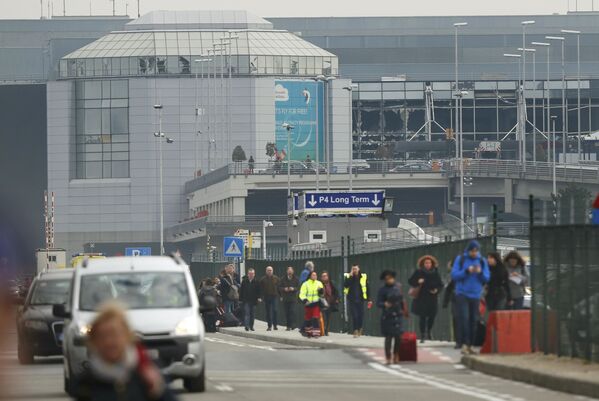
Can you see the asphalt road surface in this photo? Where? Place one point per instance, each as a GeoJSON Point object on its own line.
{"type": "Point", "coordinates": [244, 369]}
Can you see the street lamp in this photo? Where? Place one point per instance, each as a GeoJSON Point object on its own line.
{"type": "Point", "coordinates": [288, 127]}
{"type": "Point", "coordinates": [161, 137]}
{"type": "Point", "coordinates": [525, 117]}
{"type": "Point", "coordinates": [546, 93]}
{"type": "Point", "coordinates": [577, 33]}
{"type": "Point", "coordinates": [201, 62]}
{"type": "Point", "coordinates": [521, 118]}
{"type": "Point", "coordinates": [564, 113]}
{"type": "Point", "coordinates": [459, 96]}
{"type": "Point", "coordinates": [349, 89]}
{"type": "Point", "coordinates": [265, 224]}
{"type": "Point", "coordinates": [553, 118]}
{"type": "Point", "coordinates": [456, 27]}
{"type": "Point", "coordinates": [534, 103]}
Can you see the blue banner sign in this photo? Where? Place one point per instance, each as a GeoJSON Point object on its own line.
{"type": "Point", "coordinates": [354, 202]}
{"type": "Point", "coordinates": [141, 251]}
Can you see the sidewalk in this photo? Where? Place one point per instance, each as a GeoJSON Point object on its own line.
{"type": "Point", "coordinates": [333, 340]}
{"type": "Point", "coordinates": [560, 374]}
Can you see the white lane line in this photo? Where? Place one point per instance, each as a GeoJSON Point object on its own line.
{"type": "Point", "coordinates": [236, 344]}
{"type": "Point", "coordinates": [438, 383]}
{"type": "Point", "coordinates": [459, 366]}
{"type": "Point", "coordinates": [445, 358]}
{"type": "Point", "coordinates": [225, 388]}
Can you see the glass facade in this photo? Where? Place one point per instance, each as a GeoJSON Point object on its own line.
{"type": "Point", "coordinates": [102, 129]}
{"type": "Point", "coordinates": [387, 112]}
{"type": "Point", "coordinates": [174, 53]}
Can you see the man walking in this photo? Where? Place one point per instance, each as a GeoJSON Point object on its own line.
{"type": "Point", "coordinates": [288, 288]}
{"type": "Point", "coordinates": [355, 289]}
{"type": "Point", "coordinates": [470, 273]}
{"type": "Point", "coordinates": [269, 289]}
{"type": "Point", "coordinates": [250, 296]}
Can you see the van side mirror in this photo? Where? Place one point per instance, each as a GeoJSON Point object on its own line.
{"type": "Point", "coordinates": [60, 310]}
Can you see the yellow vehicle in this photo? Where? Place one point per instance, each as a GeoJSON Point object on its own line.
{"type": "Point", "coordinates": [78, 258]}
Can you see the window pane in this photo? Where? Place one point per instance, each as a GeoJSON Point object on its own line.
{"type": "Point", "coordinates": [106, 169]}
{"type": "Point", "coordinates": [93, 170]}
{"type": "Point", "coordinates": [93, 123]}
{"type": "Point", "coordinates": [93, 90]}
{"type": "Point", "coordinates": [120, 169]}
{"type": "Point", "coordinates": [119, 89]}
{"type": "Point", "coordinates": [119, 121]}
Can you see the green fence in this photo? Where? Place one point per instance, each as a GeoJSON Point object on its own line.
{"type": "Point", "coordinates": [403, 261]}
{"type": "Point", "coordinates": [565, 288]}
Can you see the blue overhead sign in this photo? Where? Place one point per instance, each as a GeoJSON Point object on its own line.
{"type": "Point", "coordinates": [141, 251]}
{"type": "Point", "coordinates": [350, 202]}
{"type": "Point", "coordinates": [233, 247]}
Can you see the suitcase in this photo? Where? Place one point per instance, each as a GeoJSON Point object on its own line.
{"type": "Point", "coordinates": [407, 348]}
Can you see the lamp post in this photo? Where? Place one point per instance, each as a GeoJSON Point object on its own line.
{"type": "Point", "coordinates": [349, 90]}
{"type": "Point", "coordinates": [265, 224]}
{"type": "Point", "coordinates": [553, 179]}
{"type": "Point", "coordinates": [456, 27]}
{"type": "Point", "coordinates": [327, 133]}
{"type": "Point", "coordinates": [546, 93]}
{"type": "Point", "coordinates": [525, 117]}
{"type": "Point", "coordinates": [520, 117]}
{"type": "Point", "coordinates": [534, 102]}
{"type": "Point", "coordinates": [564, 113]}
{"type": "Point", "coordinates": [577, 33]}
{"type": "Point", "coordinates": [201, 62]}
{"type": "Point", "coordinates": [160, 136]}
{"type": "Point", "coordinates": [288, 127]}
{"type": "Point", "coordinates": [460, 156]}
{"type": "Point", "coordinates": [231, 38]}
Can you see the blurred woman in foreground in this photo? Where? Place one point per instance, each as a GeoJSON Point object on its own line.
{"type": "Point", "coordinates": [119, 367]}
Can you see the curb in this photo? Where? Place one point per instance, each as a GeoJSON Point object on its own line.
{"type": "Point", "coordinates": [298, 342]}
{"type": "Point", "coordinates": [550, 381]}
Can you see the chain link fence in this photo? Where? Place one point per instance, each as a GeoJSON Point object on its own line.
{"type": "Point", "coordinates": [565, 290]}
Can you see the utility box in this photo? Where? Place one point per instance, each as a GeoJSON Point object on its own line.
{"type": "Point", "coordinates": [50, 259]}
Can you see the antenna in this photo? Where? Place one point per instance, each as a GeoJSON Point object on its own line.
{"type": "Point", "coordinates": [138, 14]}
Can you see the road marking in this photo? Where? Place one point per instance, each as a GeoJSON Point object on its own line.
{"type": "Point", "coordinates": [236, 344]}
{"type": "Point", "coordinates": [225, 388]}
{"type": "Point", "coordinates": [459, 366]}
{"type": "Point", "coordinates": [441, 384]}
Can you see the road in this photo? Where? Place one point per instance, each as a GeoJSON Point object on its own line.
{"type": "Point", "coordinates": [248, 369]}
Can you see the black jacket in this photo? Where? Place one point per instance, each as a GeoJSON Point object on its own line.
{"type": "Point", "coordinates": [225, 285]}
{"type": "Point", "coordinates": [426, 303]}
{"type": "Point", "coordinates": [391, 318]}
{"type": "Point", "coordinates": [250, 291]}
{"type": "Point", "coordinates": [449, 294]}
{"type": "Point", "coordinates": [355, 293]}
{"type": "Point", "coordinates": [90, 388]}
{"type": "Point", "coordinates": [498, 287]}
{"type": "Point", "coordinates": [285, 282]}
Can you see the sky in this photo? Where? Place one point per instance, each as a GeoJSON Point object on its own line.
{"type": "Point", "coordinates": [10, 9]}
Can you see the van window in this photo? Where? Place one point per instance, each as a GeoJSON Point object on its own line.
{"type": "Point", "coordinates": [152, 290]}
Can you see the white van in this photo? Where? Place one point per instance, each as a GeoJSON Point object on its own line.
{"type": "Point", "coordinates": [162, 308]}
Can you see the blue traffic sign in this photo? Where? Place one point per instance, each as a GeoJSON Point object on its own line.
{"type": "Point", "coordinates": [350, 202]}
{"type": "Point", "coordinates": [233, 247]}
{"type": "Point", "coordinates": [140, 251]}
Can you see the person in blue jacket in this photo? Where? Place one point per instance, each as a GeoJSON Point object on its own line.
{"type": "Point", "coordinates": [470, 273]}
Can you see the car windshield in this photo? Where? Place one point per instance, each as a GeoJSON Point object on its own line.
{"type": "Point", "coordinates": [50, 292]}
{"type": "Point", "coordinates": [151, 290]}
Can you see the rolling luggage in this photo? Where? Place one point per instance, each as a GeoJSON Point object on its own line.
{"type": "Point", "coordinates": [407, 348]}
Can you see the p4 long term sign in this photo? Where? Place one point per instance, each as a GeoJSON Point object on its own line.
{"type": "Point", "coordinates": [342, 203]}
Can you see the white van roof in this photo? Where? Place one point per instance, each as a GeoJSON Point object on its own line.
{"type": "Point", "coordinates": [133, 263]}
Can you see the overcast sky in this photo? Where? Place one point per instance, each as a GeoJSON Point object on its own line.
{"type": "Point", "coordinates": [275, 8]}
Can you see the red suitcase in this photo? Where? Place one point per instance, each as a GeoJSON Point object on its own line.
{"type": "Point", "coordinates": [407, 349]}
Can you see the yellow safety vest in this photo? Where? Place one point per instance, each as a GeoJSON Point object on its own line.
{"type": "Point", "coordinates": [363, 280]}
{"type": "Point", "coordinates": [309, 291]}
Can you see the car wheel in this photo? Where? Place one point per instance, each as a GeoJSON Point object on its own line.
{"type": "Point", "coordinates": [24, 354]}
{"type": "Point", "coordinates": [196, 384]}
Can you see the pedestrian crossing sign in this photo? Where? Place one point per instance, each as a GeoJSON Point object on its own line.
{"type": "Point", "coordinates": [233, 247]}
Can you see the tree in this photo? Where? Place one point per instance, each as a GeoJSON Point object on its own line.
{"type": "Point", "coordinates": [238, 154]}
{"type": "Point", "coordinates": [271, 149]}
{"type": "Point", "coordinates": [574, 202]}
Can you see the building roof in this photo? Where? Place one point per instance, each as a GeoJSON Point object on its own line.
{"type": "Point", "coordinates": [199, 19]}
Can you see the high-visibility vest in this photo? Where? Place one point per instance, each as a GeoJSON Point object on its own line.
{"type": "Point", "coordinates": [363, 280]}
{"type": "Point", "coordinates": [309, 291]}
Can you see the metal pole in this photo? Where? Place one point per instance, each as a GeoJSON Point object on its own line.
{"type": "Point", "coordinates": [578, 94]}
{"type": "Point", "coordinates": [548, 101]}
{"type": "Point", "coordinates": [327, 133]}
{"type": "Point", "coordinates": [317, 136]}
{"type": "Point", "coordinates": [534, 106]}
{"type": "Point", "coordinates": [525, 117]}
{"type": "Point", "coordinates": [195, 123]}
{"type": "Point", "coordinates": [461, 159]}
{"type": "Point", "coordinates": [554, 187]}
{"type": "Point", "coordinates": [161, 180]}
{"type": "Point", "coordinates": [264, 239]}
{"type": "Point", "coordinates": [288, 162]}
{"type": "Point", "coordinates": [564, 111]}
{"type": "Point", "coordinates": [351, 141]}
{"type": "Point", "coordinates": [456, 91]}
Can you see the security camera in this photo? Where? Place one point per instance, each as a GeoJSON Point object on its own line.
{"type": "Point", "coordinates": [294, 223]}
{"type": "Point", "coordinates": [287, 126]}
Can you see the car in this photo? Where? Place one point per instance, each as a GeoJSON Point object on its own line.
{"type": "Point", "coordinates": [411, 167]}
{"type": "Point", "coordinates": [297, 167]}
{"type": "Point", "coordinates": [162, 308]}
{"type": "Point", "coordinates": [39, 332]}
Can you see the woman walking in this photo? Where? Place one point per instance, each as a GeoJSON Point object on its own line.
{"type": "Point", "coordinates": [331, 295]}
{"type": "Point", "coordinates": [390, 300]}
{"type": "Point", "coordinates": [310, 293]}
{"type": "Point", "coordinates": [518, 279]}
{"type": "Point", "coordinates": [498, 288]}
{"type": "Point", "coordinates": [426, 283]}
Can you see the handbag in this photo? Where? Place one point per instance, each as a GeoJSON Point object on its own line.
{"type": "Point", "coordinates": [324, 305]}
{"type": "Point", "coordinates": [414, 292]}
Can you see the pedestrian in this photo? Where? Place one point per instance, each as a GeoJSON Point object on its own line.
{"type": "Point", "coordinates": [305, 274]}
{"type": "Point", "coordinates": [119, 367]}
{"type": "Point", "coordinates": [518, 279]}
{"type": "Point", "coordinates": [449, 299]}
{"type": "Point", "coordinates": [308, 162]}
{"type": "Point", "coordinates": [288, 288]}
{"type": "Point", "coordinates": [427, 282]}
{"type": "Point", "coordinates": [470, 273]}
{"type": "Point", "coordinates": [390, 301]}
{"type": "Point", "coordinates": [331, 295]}
{"type": "Point", "coordinates": [251, 164]}
{"type": "Point", "coordinates": [208, 295]}
{"type": "Point", "coordinates": [269, 290]}
{"type": "Point", "coordinates": [310, 293]}
{"type": "Point", "coordinates": [498, 287]}
{"type": "Point", "coordinates": [250, 296]}
{"type": "Point", "coordinates": [229, 288]}
{"type": "Point", "coordinates": [355, 288]}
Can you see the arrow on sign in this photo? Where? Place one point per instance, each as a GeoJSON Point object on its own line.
{"type": "Point", "coordinates": [312, 201]}
{"type": "Point", "coordinates": [376, 200]}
